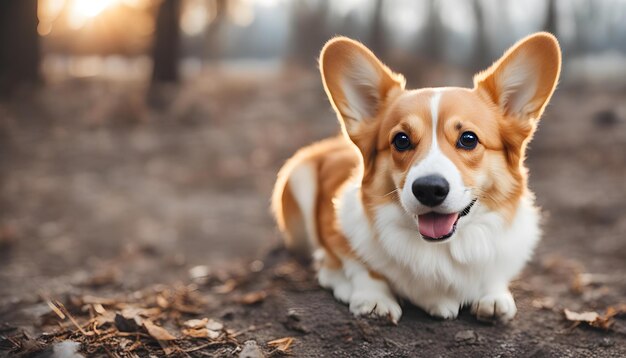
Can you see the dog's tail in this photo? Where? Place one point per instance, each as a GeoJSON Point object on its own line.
{"type": "Point", "coordinates": [294, 204]}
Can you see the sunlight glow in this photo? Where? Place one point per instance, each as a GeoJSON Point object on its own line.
{"type": "Point", "coordinates": [345, 7]}
{"type": "Point", "coordinates": [82, 11]}
{"type": "Point", "coordinates": [47, 12]}
{"type": "Point", "coordinates": [407, 18]}
{"type": "Point", "coordinates": [195, 17]}
{"type": "Point", "coordinates": [454, 16]}
{"type": "Point", "coordinates": [241, 13]}
{"type": "Point", "coordinates": [267, 3]}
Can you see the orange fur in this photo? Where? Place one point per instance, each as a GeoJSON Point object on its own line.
{"type": "Point", "coordinates": [334, 159]}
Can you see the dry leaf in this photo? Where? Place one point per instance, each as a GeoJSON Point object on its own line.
{"type": "Point", "coordinates": [65, 313]}
{"type": "Point", "coordinates": [253, 297]}
{"type": "Point", "coordinates": [196, 333]}
{"type": "Point", "coordinates": [213, 334]}
{"type": "Point", "coordinates": [56, 309]}
{"type": "Point", "coordinates": [545, 303]}
{"type": "Point", "coordinates": [106, 317]}
{"type": "Point", "coordinates": [167, 350]}
{"type": "Point", "coordinates": [139, 312]}
{"type": "Point", "coordinates": [281, 344]}
{"type": "Point", "coordinates": [226, 287]}
{"type": "Point", "coordinates": [214, 325]}
{"type": "Point", "coordinates": [99, 308]}
{"type": "Point", "coordinates": [619, 310]}
{"type": "Point", "coordinates": [604, 322]}
{"type": "Point", "coordinates": [158, 333]}
{"type": "Point", "coordinates": [196, 323]}
{"type": "Point", "coordinates": [162, 301]}
{"type": "Point", "coordinates": [132, 313]}
{"type": "Point", "coordinates": [150, 312]}
{"type": "Point", "coordinates": [203, 328]}
{"type": "Point", "coordinates": [580, 317]}
{"type": "Point", "coordinates": [202, 333]}
{"type": "Point", "coordinates": [593, 319]}
{"type": "Point", "coordinates": [88, 299]}
{"type": "Point", "coordinates": [286, 270]}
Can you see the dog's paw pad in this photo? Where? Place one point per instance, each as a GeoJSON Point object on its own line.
{"type": "Point", "coordinates": [375, 304]}
{"type": "Point", "coordinates": [492, 307]}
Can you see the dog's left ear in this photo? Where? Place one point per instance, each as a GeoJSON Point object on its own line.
{"type": "Point", "coordinates": [521, 82]}
{"type": "Point", "coordinates": [357, 83]}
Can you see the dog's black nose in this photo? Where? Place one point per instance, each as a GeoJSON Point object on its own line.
{"type": "Point", "coordinates": [431, 190]}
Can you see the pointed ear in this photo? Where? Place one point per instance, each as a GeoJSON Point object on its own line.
{"type": "Point", "coordinates": [356, 82]}
{"type": "Point", "coordinates": [523, 79]}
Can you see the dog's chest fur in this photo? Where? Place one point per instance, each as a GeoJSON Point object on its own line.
{"type": "Point", "coordinates": [484, 251]}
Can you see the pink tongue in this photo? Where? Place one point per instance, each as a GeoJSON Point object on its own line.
{"type": "Point", "coordinates": [436, 225]}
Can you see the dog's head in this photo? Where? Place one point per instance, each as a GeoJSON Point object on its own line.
{"type": "Point", "coordinates": [440, 150]}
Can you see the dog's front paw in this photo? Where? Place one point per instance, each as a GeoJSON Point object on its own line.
{"type": "Point", "coordinates": [337, 281]}
{"type": "Point", "coordinates": [446, 309]}
{"type": "Point", "coordinates": [379, 304]}
{"type": "Point", "coordinates": [495, 306]}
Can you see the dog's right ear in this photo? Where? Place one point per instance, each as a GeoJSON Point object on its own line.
{"type": "Point", "coordinates": [356, 82]}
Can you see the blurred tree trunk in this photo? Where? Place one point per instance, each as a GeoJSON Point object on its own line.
{"type": "Point", "coordinates": [434, 31]}
{"type": "Point", "coordinates": [377, 34]}
{"type": "Point", "coordinates": [550, 24]}
{"type": "Point", "coordinates": [308, 30]}
{"type": "Point", "coordinates": [166, 48]}
{"type": "Point", "coordinates": [214, 30]}
{"type": "Point", "coordinates": [481, 47]}
{"type": "Point", "coordinates": [19, 44]}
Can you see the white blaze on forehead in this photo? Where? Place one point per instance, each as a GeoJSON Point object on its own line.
{"type": "Point", "coordinates": [434, 114]}
{"type": "Point", "coordinates": [437, 163]}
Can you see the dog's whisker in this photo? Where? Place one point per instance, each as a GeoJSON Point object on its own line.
{"type": "Point", "coordinates": [481, 193]}
{"type": "Point", "coordinates": [389, 193]}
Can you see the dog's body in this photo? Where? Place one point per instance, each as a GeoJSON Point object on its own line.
{"type": "Point", "coordinates": [425, 196]}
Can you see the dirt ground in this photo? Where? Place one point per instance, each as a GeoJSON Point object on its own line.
{"type": "Point", "coordinates": [102, 196]}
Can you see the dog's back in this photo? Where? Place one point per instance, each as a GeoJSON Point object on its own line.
{"type": "Point", "coordinates": [302, 199]}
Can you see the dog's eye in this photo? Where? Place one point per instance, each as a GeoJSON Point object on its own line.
{"type": "Point", "coordinates": [467, 140]}
{"type": "Point", "coordinates": [402, 142]}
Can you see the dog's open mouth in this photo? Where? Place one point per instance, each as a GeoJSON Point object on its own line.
{"type": "Point", "coordinates": [438, 227]}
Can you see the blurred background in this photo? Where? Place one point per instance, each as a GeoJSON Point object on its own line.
{"type": "Point", "coordinates": [122, 39]}
{"type": "Point", "coordinates": [139, 139]}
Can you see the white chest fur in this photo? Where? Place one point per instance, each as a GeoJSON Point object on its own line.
{"type": "Point", "coordinates": [482, 257]}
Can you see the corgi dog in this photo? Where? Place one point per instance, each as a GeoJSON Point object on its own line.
{"type": "Point", "coordinates": [424, 196]}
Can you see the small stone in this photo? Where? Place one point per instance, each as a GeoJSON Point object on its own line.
{"type": "Point", "coordinates": [214, 325]}
{"type": "Point", "coordinates": [606, 118]}
{"type": "Point", "coordinates": [200, 274]}
{"type": "Point", "coordinates": [607, 342]}
{"type": "Point", "coordinates": [251, 350]}
{"type": "Point", "coordinates": [422, 343]}
{"type": "Point", "coordinates": [66, 349]}
{"type": "Point", "coordinates": [228, 315]}
{"type": "Point", "coordinates": [293, 314]}
{"type": "Point", "coordinates": [257, 266]}
{"type": "Point", "coordinates": [467, 337]}
{"type": "Point", "coordinates": [294, 322]}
